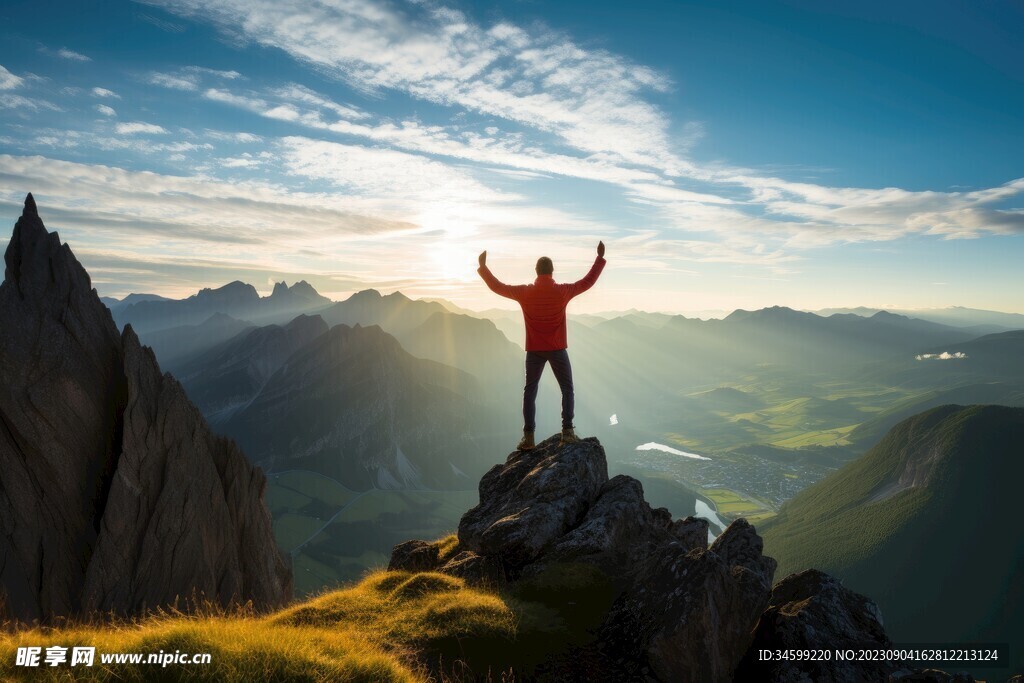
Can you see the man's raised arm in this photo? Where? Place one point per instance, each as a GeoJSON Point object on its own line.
{"type": "Point", "coordinates": [496, 285]}
{"type": "Point", "coordinates": [588, 281]}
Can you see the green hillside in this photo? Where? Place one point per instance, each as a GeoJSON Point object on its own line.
{"type": "Point", "coordinates": [926, 523]}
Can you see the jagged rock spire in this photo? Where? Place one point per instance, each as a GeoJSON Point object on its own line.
{"type": "Point", "coordinates": [98, 448]}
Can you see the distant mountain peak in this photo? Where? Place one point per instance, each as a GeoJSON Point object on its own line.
{"type": "Point", "coordinates": [299, 290]}
{"type": "Point", "coordinates": [886, 315]}
{"type": "Point", "coordinates": [768, 312]}
{"type": "Point", "coordinates": [235, 290]}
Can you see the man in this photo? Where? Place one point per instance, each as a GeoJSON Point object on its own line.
{"type": "Point", "coordinates": [543, 305]}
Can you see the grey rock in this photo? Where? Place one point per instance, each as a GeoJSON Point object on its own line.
{"type": "Point", "coordinates": [533, 500]}
{"type": "Point", "coordinates": [414, 556]}
{"type": "Point", "coordinates": [683, 611]}
{"type": "Point", "coordinates": [184, 513]}
{"type": "Point", "coordinates": [478, 570]}
{"type": "Point", "coordinates": [690, 614]}
{"type": "Point", "coordinates": [619, 528]}
{"type": "Point", "coordinates": [812, 610]}
{"type": "Point", "coordinates": [691, 532]}
{"type": "Point", "coordinates": [114, 494]}
{"type": "Point", "coordinates": [61, 386]}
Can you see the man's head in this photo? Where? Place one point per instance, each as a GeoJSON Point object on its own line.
{"type": "Point", "coordinates": [545, 266]}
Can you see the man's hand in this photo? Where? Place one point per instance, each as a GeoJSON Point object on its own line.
{"type": "Point", "coordinates": [483, 258]}
{"type": "Point", "coordinates": [600, 249]}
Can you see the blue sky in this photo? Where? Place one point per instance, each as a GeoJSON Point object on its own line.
{"type": "Point", "coordinates": [729, 154]}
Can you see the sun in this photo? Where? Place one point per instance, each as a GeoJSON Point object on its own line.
{"type": "Point", "coordinates": [453, 260]}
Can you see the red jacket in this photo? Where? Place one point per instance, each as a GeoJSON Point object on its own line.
{"type": "Point", "coordinates": [543, 305]}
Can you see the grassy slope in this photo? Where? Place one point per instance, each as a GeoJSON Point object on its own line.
{"type": "Point", "coordinates": [391, 626]}
{"type": "Point", "coordinates": [944, 561]}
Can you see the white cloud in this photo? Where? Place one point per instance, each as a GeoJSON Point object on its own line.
{"type": "Point", "coordinates": [301, 94]}
{"type": "Point", "coordinates": [105, 110]}
{"type": "Point", "coordinates": [242, 137]}
{"type": "Point", "coordinates": [13, 101]}
{"type": "Point", "coordinates": [385, 172]}
{"type": "Point", "coordinates": [217, 73]}
{"type": "Point", "coordinates": [103, 92]}
{"type": "Point", "coordinates": [65, 53]}
{"type": "Point", "coordinates": [174, 81]}
{"type": "Point", "coordinates": [149, 207]}
{"type": "Point", "coordinates": [139, 127]}
{"type": "Point", "coordinates": [9, 81]}
{"type": "Point", "coordinates": [226, 97]}
{"type": "Point", "coordinates": [240, 162]}
{"type": "Point", "coordinates": [188, 78]}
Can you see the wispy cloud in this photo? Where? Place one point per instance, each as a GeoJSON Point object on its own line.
{"type": "Point", "coordinates": [103, 92]}
{"type": "Point", "coordinates": [174, 81]}
{"type": "Point", "coordinates": [597, 106]}
{"type": "Point", "coordinates": [13, 101]}
{"type": "Point", "coordinates": [65, 53]}
{"type": "Point", "coordinates": [592, 100]}
{"type": "Point", "coordinates": [9, 81]}
{"type": "Point", "coordinates": [140, 128]}
{"type": "Point", "coordinates": [105, 110]}
{"type": "Point", "coordinates": [189, 77]}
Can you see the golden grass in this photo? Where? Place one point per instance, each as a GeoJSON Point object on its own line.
{"type": "Point", "coordinates": [375, 630]}
{"type": "Point", "coordinates": [391, 626]}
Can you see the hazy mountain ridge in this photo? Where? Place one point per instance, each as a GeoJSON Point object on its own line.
{"type": "Point", "coordinates": [956, 316]}
{"type": "Point", "coordinates": [354, 405]}
{"type": "Point", "coordinates": [174, 345]}
{"type": "Point", "coordinates": [232, 373]}
{"type": "Point", "coordinates": [236, 299]}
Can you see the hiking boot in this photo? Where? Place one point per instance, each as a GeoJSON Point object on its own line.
{"type": "Point", "coordinates": [568, 436]}
{"type": "Point", "coordinates": [526, 443]}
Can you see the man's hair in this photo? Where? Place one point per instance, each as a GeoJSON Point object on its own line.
{"type": "Point", "coordinates": [545, 266]}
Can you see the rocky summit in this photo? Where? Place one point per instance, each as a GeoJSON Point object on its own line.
{"type": "Point", "coordinates": [683, 611]}
{"type": "Point", "coordinates": [114, 494]}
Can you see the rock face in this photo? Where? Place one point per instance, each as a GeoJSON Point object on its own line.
{"type": "Point", "coordinates": [812, 610]}
{"type": "Point", "coordinates": [114, 494]}
{"type": "Point", "coordinates": [684, 611]}
{"type": "Point", "coordinates": [532, 500]}
{"type": "Point", "coordinates": [691, 610]}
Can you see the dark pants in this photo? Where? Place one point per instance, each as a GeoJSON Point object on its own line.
{"type": "Point", "coordinates": [535, 361]}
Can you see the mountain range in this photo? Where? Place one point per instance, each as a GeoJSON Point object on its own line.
{"type": "Point", "coordinates": [236, 299]}
{"type": "Point", "coordinates": [354, 405]}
